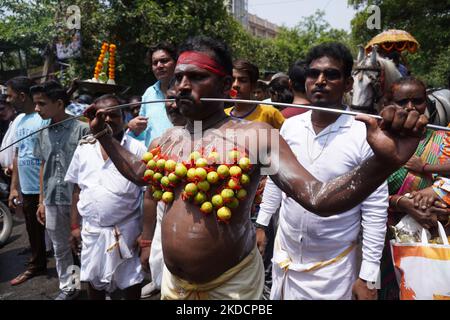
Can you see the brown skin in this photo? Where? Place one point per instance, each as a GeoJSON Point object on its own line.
{"type": "Point", "coordinates": [162, 66]}
{"type": "Point", "coordinates": [198, 248]}
{"type": "Point", "coordinates": [244, 87]}
{"type": "Point", "coordinates": [7, 112]}
{"type": "Point", "coordinates": [115, 120]}
{"type": "Point", "coordinates": [299, 97]}
{"type": "Point", "coordinates": [134, 111]}
{"type": "Point", "coordinates": [149, 204]}
{"type": "Point", "coordinates": [75, 220]}
{"type": "Point", "coordinates": [22, 103]}
{"type": "Point", "coordinates": [173, 113]}
{"type": "Point", "coordinates": [425, 207]}
{"type": "Point", "coordinates": [260, 94]}
{"type": "Point", "coordinates": [47, 109]}
{"type": "Point", "coordinates": [327, 93]}
{"type": "Point", "coordinates": [412, 96]}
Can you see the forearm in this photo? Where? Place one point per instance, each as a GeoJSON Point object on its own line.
{"type": "Point", "coordinates": [128, 164]}
{"type": "Point", "coordinates": [41, 183]}
{"type": "Point", "coordinates": [337, 195]}
{"type": "Point", "coordinates": [349, 190]}
{"type": "Point", "coordinates": [74, 214]}
{"type": "Point", "coordinates": [441, 169]}
{"type": "Point", "coordinates": [15, 176]}
{"type": "Point", "coordinates": [149, 216]}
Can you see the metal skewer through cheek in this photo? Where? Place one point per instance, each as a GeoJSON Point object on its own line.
{"type": "Point", "coordinates": [290, 105]}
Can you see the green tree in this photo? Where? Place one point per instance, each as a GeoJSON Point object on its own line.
{"type": "Point", "coordinates": [427, 21]}
{"type": "Point", "coordinates": [291, 44]}
{"type": "Point", "coordinates": [134, 25]}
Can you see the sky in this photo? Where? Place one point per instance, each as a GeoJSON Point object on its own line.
{"type": "Point", "coordinates": [290, 12]}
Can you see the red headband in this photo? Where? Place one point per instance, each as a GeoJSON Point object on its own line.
{"type": "Point", "coordinates": [203, 61]}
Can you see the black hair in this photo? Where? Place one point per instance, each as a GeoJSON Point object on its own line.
{"type": "Point", "coordinates": [335, 50]}
{"type": "Point", "coordinates": [297, 76]}
{"type": "Point", "coordinates": [394, 56]}
{"type": "Point", "coordinates": [3, 99]}
{"type": "Point", "coordinates": [51, 89]}
{"type": "Point", "coordinates": [406, 80]}
{"type": "Point", "coordinates": [280, 86]}
{"type": "Point", "coordinates": [262, 85]}
{"type": "Point", "coordinates": [109, 96]}
{"type": "Point", "coordinates": [21, 84]}
{"type": "Point", "coordinates": [135, 97]}
{"type": "Point", "coordinates": [164, 46]}
{"type": "Point", "coordinates": [221, 51]}
{"type": "Point", "coordinates": [248, 67]}
{"type": "Point", "coordinates": [85, 98]}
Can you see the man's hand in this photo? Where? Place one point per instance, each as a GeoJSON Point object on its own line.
{"type": "Point", "coordinates": [261, 240]}
{"type": "Point", "coordinates": [96, 118]}
{"type": "Point", "coordinates": [144, 256]}
{"type": "Point", "coordinates": [395, 138]}
{"type": "Point", "coordinates": [13, 194]}
{"type": "Point", "coordinates": [40, 214]}
{"type": "Point", "coordinates": [138, 124]}
{"type": "Point", "coordinates": [415, 164]}
{"type": "Point", "coordinates": [426, 216]}
{"type": "Point", "coordinates": [75, 240]}
{"type": "Point", "coordinates": [360, 291]}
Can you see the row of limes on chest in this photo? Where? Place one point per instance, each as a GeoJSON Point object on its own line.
{"type": "Point", "coordinates": [211, 185]}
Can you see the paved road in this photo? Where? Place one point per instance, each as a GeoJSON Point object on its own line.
{"type": "Point", "coordinates": [12, 262]}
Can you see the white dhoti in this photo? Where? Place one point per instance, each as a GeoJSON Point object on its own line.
{"type": "Point", "coordinates": [330, 279]}
{"type": "Point", "coordinates": [109, 255]}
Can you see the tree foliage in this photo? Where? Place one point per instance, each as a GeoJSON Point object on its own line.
{"type": "Point", "coordinates": [134, 25]}
{"type": "Point", "coordinates": [427, 21]}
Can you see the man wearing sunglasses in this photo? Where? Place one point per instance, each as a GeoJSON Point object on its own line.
{"type": "Point", "coordinates": [206, 258]}
{"type": "Point", "coordinates": [315, 257]}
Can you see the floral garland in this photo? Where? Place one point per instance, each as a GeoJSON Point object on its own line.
{"type": "Point", "coordinates": [106, 62]}
{"type": "Point", "coordinates": [209, 185]}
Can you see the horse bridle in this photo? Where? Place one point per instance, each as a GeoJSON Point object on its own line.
{"type": "Point", "coordinates": [377, 83]}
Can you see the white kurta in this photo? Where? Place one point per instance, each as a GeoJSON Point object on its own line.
{"type": "Point", "coordinates": [306, 238]}
{"type": "Point", "coordinates": [108, 204]}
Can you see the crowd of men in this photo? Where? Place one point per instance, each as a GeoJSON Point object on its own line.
{"type": "Point", "coordinates": [313, 228]}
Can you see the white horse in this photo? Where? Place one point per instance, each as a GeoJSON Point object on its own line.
{"type": "Point", "coordinates": [373, 76]}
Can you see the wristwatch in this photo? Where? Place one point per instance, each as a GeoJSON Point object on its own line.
{"type": "Point", "coordinates": [260, 226]}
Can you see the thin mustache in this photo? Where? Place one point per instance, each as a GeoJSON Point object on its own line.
{"type": "Point", "coordinates": [185, 97]}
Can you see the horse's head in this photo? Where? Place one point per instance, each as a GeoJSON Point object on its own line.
{"type": "Point", "coordinates": [366, 82]}
{"type": "Point", "coordinates": [373, 75]}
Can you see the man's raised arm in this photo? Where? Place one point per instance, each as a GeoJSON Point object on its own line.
{"type": "Point", "coordinates": [393, 141]}
{"type": "Point", "coordinates": [128, 164]}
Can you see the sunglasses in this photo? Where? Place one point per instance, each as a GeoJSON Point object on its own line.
{"type": "Point", "coordinates": [329, 74]}
{"type": "Point", "coordinates": [414, 101]}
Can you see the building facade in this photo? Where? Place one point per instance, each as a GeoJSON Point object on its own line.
{"type": "Point", "coordinates": [255, 25]}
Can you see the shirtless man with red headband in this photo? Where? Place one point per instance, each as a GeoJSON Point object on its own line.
{"type": "Point", "coordinates": [205, 257]}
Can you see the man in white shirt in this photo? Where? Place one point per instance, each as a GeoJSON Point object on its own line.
{"type": "Point", "coordinates": [110, 208]}
{"type": "Point", "coordinates": [315, 257]}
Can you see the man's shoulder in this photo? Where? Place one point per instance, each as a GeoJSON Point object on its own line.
{"type": "Point", "coordinates": [152, 89]}
{"type": "Point", "coordinates": [295, 121]}
{"type": "Point", "coordinates": [266, 108]}
{"type": "Point", "coordinates": [80, 125]}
